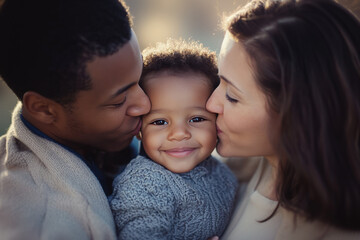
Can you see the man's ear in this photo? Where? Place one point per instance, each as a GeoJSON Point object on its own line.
{"type": "Point", "coordinates": [39, 108]}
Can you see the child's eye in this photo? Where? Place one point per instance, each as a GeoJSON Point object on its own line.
{"type": "Point", "coordinates": [230, 99]}
{"type": "Point", "coordinates": [159, 122]}
{"type": "Point", "coordinates": [197, 119]}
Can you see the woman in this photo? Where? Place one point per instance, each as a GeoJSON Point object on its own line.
{"type": "Point", "coordinates": [290, 92]}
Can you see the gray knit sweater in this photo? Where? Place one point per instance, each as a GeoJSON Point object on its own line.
{"type": "Point", "coordinates": [151, 202]}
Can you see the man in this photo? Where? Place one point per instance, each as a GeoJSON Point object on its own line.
{"type": "Point", "coordinates": [75, 66]}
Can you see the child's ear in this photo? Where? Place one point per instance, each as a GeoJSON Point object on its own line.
{"type": "Point", "coordinates": [39, 107]}
{"type": "Point", "coordinates": [139, 136]}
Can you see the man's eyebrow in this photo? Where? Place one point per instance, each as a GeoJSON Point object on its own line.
{"type": "Point", "coordinates": [229, 82]}
{"type": "Point", "coordinates": [121, 90]}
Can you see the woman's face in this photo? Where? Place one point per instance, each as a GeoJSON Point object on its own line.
{"type": "Point", "coordinates": [243, 122]}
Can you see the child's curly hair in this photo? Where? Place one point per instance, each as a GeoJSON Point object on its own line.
{"type": "Point", "coordinates": [180, 56]}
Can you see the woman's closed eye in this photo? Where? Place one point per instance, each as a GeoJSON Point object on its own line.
{"type": "Point", "coordinates": [159, 122]}
{"type": "Point", "coordinates": [230, 99]}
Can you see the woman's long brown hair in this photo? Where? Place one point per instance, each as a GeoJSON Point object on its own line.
{"type": "Point", "coordinates": [306, 59]}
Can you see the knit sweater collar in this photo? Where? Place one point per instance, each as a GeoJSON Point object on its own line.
{"type": "Point", "coordinates": [198, 172]}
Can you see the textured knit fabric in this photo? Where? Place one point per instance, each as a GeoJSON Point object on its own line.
{"type": "Point", "coordinates": [151, 202]}
{"type": "Point", "coordinates": [253, 207]}
{"type": "Point", "coordinates": [47, 192]}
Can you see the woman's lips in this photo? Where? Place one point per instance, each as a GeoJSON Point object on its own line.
{"type": "Point", "coordinates": [179, 152]}
{"type": "Point", "coordinates": [218, 130]}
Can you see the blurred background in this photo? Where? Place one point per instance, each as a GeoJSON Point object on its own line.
{"type": "Point", "coordinates": [157, 20]}
{"type": "Point", "coordinates": [154, 21]}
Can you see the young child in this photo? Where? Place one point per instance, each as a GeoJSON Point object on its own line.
{"type": "Point", "coordinates": [177, 191]}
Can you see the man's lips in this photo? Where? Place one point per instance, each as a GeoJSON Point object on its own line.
{"type": "Point", "coordinates": [137, 128]}
{"type": "Point", "coordinates": [179, 152]}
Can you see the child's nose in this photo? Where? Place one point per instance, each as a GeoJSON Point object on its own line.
{"type": "Point", "coordinates": [179, 132]}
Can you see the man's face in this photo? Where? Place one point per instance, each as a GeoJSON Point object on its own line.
{"type": "Point", "coordinates": [107, 116]}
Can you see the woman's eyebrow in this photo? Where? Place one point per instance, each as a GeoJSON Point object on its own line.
{"type": "Point", "coordinates": [229, 82]}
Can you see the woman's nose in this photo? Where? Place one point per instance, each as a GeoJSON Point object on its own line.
{"type": "Point", "coordinates": [214, 103]}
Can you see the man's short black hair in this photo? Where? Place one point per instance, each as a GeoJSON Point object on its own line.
{"type": "Point", "coordinates": [45, 44]}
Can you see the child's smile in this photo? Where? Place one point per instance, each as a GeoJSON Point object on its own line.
{"type": "Point", "coordinates": [178, 126]}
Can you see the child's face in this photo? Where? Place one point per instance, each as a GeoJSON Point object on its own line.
{"type": "Point", "coordinates": [179, 132]}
